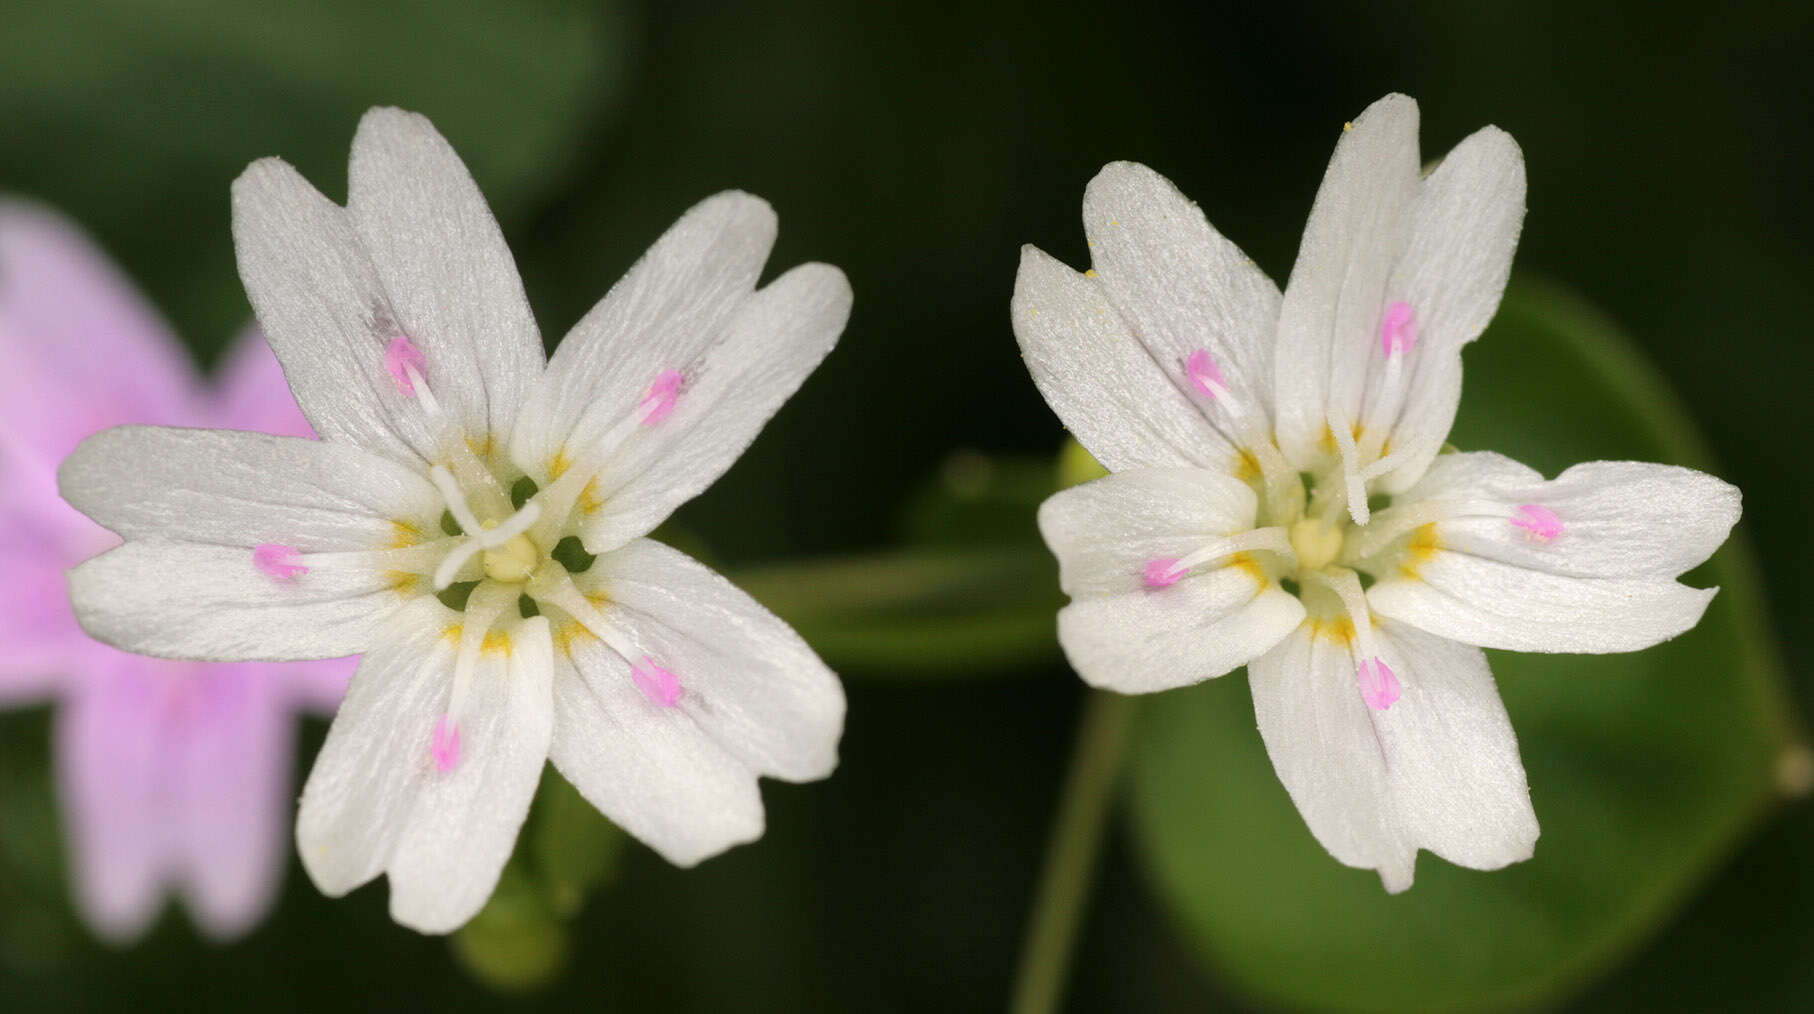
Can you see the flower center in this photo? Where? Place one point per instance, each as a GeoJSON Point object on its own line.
{"type": "Point", "coordinates": [1316, 542]}
{"type": "Point", "coordinates": [513, 562]}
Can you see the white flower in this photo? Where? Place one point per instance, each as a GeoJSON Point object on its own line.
{"type": "Point", "coordinates": [438, 527]}
{"type": "Point", "coordinates": [1246, 432]}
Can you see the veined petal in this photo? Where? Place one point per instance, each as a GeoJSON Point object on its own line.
{"type": "Point", "coordinates": [1464, 228]}
{"type": "Point", "coordinates": [672, 306]}
{"type": "Point", "coordinates": [241, 489]}
{"type": "Point", "coordinates": [187, 600]}
{"type": "Point", "coordinates": [1105, 532]}
{"type": "Point", "coordinates": [746, 679]}
{"type": "Point", "coordinates": [723, 398]}
{"type": "Point", "coordinates": [82, 348]}
{"type": "Point", "coordinates": [1616, 518]}
{"type": "Point", "coordinates": [1585, 562]}
{"type": "Point", "coordinates": [361, 791]}
{"type": "Point", "coordinates": [1181, 287]}
{"type": "Point", "coordinates": [442, 259]}
{"type": "Point", "coordinates": [1330, 316]}
{"type": "Point", "coordinates": [250, 392]}
{"type": "Point", "coordinates": [323, 306]}
{"type": "Point", "coordinates": [1481, 601]}
{"type": "Point", "coordinates": [463, 823]}
{"type": "Point", "coordinates": [1207, 624]}
{"type": "Point", "coordinates": [1438, 769]}
{"type": "Point", "coordinates": [651, 769]}
{"type": "Point", "coordinates": [1106, 387]}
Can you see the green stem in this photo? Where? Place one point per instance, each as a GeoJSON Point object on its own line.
{"type": "Point", "coordinates": [1077, 833]}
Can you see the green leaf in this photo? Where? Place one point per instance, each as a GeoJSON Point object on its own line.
{"type": "Point", "coordinates": [1646, 769]}
{"type": "Point", "coordinates": [135, 116]}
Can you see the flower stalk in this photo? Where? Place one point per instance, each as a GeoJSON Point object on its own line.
{"type": "Point", "coordinates": [1063, 893]}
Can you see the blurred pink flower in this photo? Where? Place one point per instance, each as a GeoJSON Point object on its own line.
{"type": "Point", "coordinates": [173, 776]}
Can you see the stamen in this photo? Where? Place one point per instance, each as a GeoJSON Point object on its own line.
{"type": "Point", "coordinates": [406, 364]}
{"type": "Point", "coordinates": [663, 393]}
{"type": "Point", "coordinates": [1395, 522]}
{"type": "Point", "coordinates": [1397, 329]}
{"type": "Point", "coordinates": [1379, 685]}
{"type": "Point", "coordinates": [445, 745]}
{"type": "Point", "coordinates": [659, 685]}
{"type": "Point", "coordinates": [482, 610]}
{"type": "Point", "coordinates": [277, 561]}
{"type": "Point", "coordinates": [1163, 572]}
{"type": "Point", "coordinates": [1540, 524]}
{"type": "Point", "coordinates": [1166, 571]}
{"type": "Point", "coordinates": [1204, 374]}
{"type": "Point", "coordinates": [556, 587]}
{"type": "Point", "coordinates": [1354, 485]}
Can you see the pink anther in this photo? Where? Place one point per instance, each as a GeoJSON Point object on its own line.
{"type": "Point", "coordinates": [1163, 572]}
{"type": "Point", "coordinates": [660, 686]}
{"type": "Point", "coordinates": [1378, 684]}
{"type": "Point", "coordinates": [662, 394]}
{"type": "Point", "coordinates": [277, 561]}
{"type": "Point", "coordinates": [400, 357]}
{"type": "Point", "coordinates": [1540, 524]}
{"type": "Point", "coordinates": [1397, 329]}
{"type": "Point", "coordinates": [1204, 374]}
{"type": "Point", "coordinates": [445, 745]}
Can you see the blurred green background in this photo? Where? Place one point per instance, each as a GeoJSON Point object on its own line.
{"type": "Point", "coordinates": [918, 146]}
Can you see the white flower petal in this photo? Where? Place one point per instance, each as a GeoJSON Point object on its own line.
{"type": "Point", "coordinates": [1501, 605]}
{"type": "Point", "coordinates": [359, 794]}
{"type": "Point", "coordinates": [463, 823]}
{"type": "Point", "coordinates": [323, 307]}
{"type": "Point", "coordinates": [1330, 316]}
{"type": "Point", "coordinates": [1464, 229]}
{"type": "Point", "coordinates": [672, 306]}
{"type": "Point", "coordinates": [241, 489]}
{"type": "Point", "coordinates": [442, 259]}
{"type": "Point", "coordinates": [1439, 769]}
{"type": "Point", "coordinates": [650, 769]}
{"type": "Point", "coordinates": [746, 678]}
{"type": "Point", "coordinates": [729, 391]}
{"type": "Point", "coordinates": [1619, 518]}
{"type": "Point", "coordinates": [1105, 532]}
{"type": "Point", "coordinates": [1424, 421]}
{"type": "Point", "coordinates": [1181, 287]}
{"type": "Point", "coordinates": [1107, 389]}
{"type": "Point", "coordinates": [1207, 624]}
{"type": "Point", "coordinates": [187, 600]}
{"type": "Point", "coordinates": [1604, 583]}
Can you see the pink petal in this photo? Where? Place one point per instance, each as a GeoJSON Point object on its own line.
{"type": "Point", "coordinates": [41, 647]}
{"type": "Point", "coordinates": [83, 351]}
{"type": "Point", "coordinates": [250, 392]}
{"type": "Point", "coordinates": [116, 794]}
{"type": "Point", "coordinates": [232, 742]}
